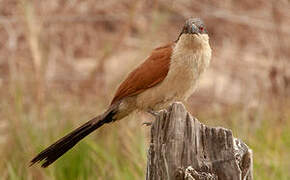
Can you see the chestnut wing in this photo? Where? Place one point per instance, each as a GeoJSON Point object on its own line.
{"type": "Point", "coordinates": [148, 74]}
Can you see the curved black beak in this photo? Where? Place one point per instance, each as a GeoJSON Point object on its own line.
{"type": "Point", "coordinates": [192, 29]}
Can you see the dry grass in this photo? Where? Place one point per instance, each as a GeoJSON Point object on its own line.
{"type": "Point", "coordinates": [60, 62]}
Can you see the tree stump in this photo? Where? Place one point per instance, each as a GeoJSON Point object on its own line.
{"type": "Point", "coordinates": [181, 148]}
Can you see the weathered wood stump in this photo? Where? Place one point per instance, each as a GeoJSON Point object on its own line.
{"type": "Point", "coordinates": [182, 148]}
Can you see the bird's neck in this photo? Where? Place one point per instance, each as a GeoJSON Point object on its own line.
{"type": "Point", "coordinates": [191, 53]}
{"type": "Point", "coordinates": [191, 49]}
{"type": "Point", "coordinates": [193, 42]}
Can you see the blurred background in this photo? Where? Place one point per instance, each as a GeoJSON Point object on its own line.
{"type": "Point", "coordinates": [61, 61]}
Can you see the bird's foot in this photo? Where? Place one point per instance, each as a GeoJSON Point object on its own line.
{"type": "Point", "coordinates": [154, 113]}
{"type": "Point", "coordinates": [147, 123]}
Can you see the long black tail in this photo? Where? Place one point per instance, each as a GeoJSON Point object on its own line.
{"type": "Point", "coordinates": [57, 149]}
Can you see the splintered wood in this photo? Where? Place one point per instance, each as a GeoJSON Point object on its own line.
{"type": "Point", "coordinates": [182, 148]}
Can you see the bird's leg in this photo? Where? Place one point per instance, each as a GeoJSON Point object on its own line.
{"type": "Point", "coordinates": [153, 113]}
{"type": "Point", "coordinates": [147, 123]}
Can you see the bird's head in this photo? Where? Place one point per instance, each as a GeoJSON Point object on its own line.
{"type": "Point", "coordinates": [193, 29]}
{"type": "Point", "coordinates": [194, 26]}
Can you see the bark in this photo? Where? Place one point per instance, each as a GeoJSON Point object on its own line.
{"type": "Point", "coordinates": [182, 148]}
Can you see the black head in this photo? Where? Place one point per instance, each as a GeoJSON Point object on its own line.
{"type": "Point", "coordinates": [193, 26]}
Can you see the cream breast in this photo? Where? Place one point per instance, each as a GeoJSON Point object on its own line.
{"type": "Point", "coordinates": [190, 58]}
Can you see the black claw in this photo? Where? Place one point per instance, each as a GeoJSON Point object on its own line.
{"type": "Point", "coordinates": [147, 123]}
{"type": "Point", "coordinates": [154, 113]}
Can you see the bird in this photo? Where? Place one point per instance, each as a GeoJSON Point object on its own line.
{"type": "Point", "coordinates": [171, 73]}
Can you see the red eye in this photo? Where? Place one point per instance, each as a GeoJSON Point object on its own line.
{"type": "Point", "coordinates": [201, 28]}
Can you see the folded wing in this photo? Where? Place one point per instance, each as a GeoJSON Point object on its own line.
{"type": "Point", "coordinates": [148, 74]}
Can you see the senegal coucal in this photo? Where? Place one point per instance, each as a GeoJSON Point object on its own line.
{"type": "Point", "coordinates": [169, 74]}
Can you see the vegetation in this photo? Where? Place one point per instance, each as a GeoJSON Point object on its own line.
{"type": "Point", "coordinates": [60, 63]}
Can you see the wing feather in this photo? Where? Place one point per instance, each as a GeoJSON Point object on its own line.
{"type": "Point", "coordinates": [148, 74]}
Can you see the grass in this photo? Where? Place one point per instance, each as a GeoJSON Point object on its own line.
{"type": "Point", "coordinates": [31, 120]}
{"type": "Point", "coordinates": [266, 131]}
{"type": "Point", "coordinates": [34, 114]}
{"type": "Point", "coordinates": [118, 151]}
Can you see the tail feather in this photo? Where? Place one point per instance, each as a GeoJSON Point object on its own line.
{"type": "Point", "coordinates": [57, 149]}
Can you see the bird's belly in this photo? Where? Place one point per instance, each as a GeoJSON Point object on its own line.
{"type": "Point", "coordinates": [179, 84]}
{"type": "Point", "coordinates": [186, 67]}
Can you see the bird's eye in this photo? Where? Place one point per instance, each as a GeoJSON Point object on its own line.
{"type": "Point", "coordinates": [201, 28]}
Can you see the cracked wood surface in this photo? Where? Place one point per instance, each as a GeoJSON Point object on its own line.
{"type": "Point", "coordinates": [183, 148]}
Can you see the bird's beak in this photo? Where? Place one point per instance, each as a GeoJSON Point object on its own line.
{"type": "Point", "coordinates": [193, 29]}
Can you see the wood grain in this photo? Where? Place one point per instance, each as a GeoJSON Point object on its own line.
{"type": "Point", "coordinates": [183, 148]}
